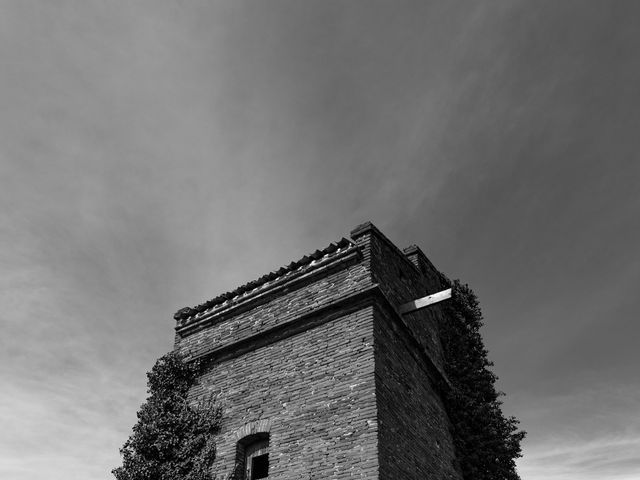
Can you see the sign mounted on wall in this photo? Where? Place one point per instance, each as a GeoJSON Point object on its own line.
{"type": "Point", "coordinates": [425, 301]}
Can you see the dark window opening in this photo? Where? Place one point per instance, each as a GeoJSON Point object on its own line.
{"type": "Point", "coordinates": [260, 467]}
{"type": "Point", "coordinates": [254, 455]}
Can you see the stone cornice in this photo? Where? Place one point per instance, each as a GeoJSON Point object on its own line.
{"type": "Point", "coordinates": [185, 314]}
{"type": "Point", "coordinates": [326, 313]}
{"type": "Point", "coordinates": [345, 305]}
{"type": "Point", "coordinates": [267, 291]}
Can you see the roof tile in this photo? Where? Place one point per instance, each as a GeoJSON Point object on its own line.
{"type": "Point", "coordinates": [187, 312]}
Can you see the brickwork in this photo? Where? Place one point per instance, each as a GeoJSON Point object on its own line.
{"type": "Point", "coordinates": [238, 325]}
{"type": "Point", "coordinates": [320, 362]}
{"type": "Point", "coordinates": [414, 440]}
{"type": "Point", "coordinates": [400, 280]}
{"type": "Point", "coordinates": [317, 390]}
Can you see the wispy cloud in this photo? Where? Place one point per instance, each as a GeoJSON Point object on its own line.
{"type": "Point", "coordinates": [67, 427]}
{"type": "Point", "coordinates": [614, 457]}
{"type": "Point", "coordinates": [591, 432]}
{"type": "Point", "coordinates": [155, 154]}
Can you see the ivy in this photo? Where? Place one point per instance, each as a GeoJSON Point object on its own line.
{"type": "Point", "coordinates": [487, 443]}
{"type": "Point", "coordinates": [173, 439]}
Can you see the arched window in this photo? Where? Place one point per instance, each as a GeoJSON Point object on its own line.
{"type": "Point", "coordinates": [252, 457]}
{"type": "Point", "coordinates": [256, 459]}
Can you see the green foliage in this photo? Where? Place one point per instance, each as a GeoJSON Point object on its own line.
{"type": "Point", "coordinates": [173, 440]}
{"type": "Point", "coordinates": [487, 443]}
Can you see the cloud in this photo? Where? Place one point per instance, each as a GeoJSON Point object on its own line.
{"type": "Point", "coordinates": [159, 153]}
{"type": "Point", "coordinates": [613, 457]}
{"type": "Point", "coordinates": [590, 432]}
{"type": "Point", "coordinates": [68, 427]}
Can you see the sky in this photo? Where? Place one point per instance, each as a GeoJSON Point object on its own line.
{"type": "Point", "coordinates": [154, 154]}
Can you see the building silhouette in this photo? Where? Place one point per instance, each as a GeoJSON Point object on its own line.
{"type": "Point", "coordinates": [319, 374]}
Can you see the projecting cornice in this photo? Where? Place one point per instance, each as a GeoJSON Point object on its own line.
{"type": "Point", "coordinates": [295, 275]}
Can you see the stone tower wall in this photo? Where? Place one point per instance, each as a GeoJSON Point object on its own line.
{"type": "Point", "coordinates": [315, 393]}
{"type": "Point", "coordinates": [414, 441]}
{"type": "Point", "coordinates": [320, 360]}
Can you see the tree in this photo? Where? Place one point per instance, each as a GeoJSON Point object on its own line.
{"type": "Point", "coordinates": [487, 443]}
{"type": "Point", "coordinates": [173, 439]}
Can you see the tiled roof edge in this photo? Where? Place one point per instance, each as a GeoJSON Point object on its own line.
{"type": "Point", "coordinates": [332, 248]}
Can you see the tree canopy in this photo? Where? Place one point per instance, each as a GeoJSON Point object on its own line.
{"type": "Point", "coordinates": [173, 438]}
{"type": "Point", "coordinates": [487, 443]}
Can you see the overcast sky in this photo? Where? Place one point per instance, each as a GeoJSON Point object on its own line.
{"type": "Point", "coordinates": [154, 154]}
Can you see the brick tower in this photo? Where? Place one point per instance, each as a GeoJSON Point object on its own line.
{"type": "Point", "coordinates": [318, 373]}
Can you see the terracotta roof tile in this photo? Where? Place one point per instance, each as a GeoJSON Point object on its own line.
{"type": "Point", "coordinates": [330, 250]}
